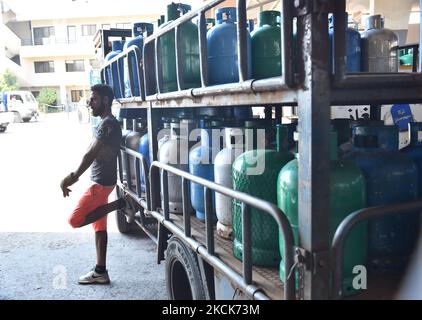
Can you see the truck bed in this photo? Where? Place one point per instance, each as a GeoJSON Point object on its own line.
{"type": "Point", "coordinates": [380, 287]}
{"type": "Point", "coordinates": [265, 278]}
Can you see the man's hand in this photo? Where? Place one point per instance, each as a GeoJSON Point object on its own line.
{"type": "Point", "coordinates": [67, 182]}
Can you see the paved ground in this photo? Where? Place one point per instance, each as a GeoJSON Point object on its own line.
{"type": "Point", "coordinates": [41, 257]}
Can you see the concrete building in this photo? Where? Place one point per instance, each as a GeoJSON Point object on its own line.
{"type": "Point", "coordinates": [53, 48]}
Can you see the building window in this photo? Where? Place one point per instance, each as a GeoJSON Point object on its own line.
{"type": "Point", "coordinates": [75, 66]}
{"type": "Point", "coordinates": [106, 26]}
{"type": "Point", "coordinates": [42, 34]}
{"type": "Point", "coordinates": [71, 34]}
{"type": "Point", "coordinates": [123, 25]}
{"type": "Point", "coordinates": [76, 95]}
{"type": "Point", "coordinates": [44, 66]}
{"type": "Point", "coordinates": [89, 29]}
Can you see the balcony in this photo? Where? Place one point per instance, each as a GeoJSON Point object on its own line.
{"type": "Point", "coordinates": [57, 47]}
{"type": "Point", "coordinates": [11, 41]}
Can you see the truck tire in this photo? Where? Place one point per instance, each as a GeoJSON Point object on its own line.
{"type": "Point", "coordinates": [2, 129]}
{"type": "Point", "coordinates": [183, 278]}
{"type": "Point", "coordinates": [122, 225]}
{"type": "Point", "coordinates": [26, 119]}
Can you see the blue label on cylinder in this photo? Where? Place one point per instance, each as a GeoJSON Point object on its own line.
{"type": "Point", "coordinates": [402, 116]}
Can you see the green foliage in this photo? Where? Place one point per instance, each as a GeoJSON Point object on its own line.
{"type": "Point", "coordinates": [47, 97]}
{"type": "Point", "coordinates": [8, 81]}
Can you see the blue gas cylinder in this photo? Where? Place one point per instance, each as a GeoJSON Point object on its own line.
{"type": "Point", "coordinates": [222, 49]}
{"type": "Point", "coordinates": [414, 150]}
{"type": "Point", "coordinates": [144, 147]}
{"type": "Point", "coordinates": [353, 47]}
{"type": "Point", "coordinates": [391, 178]}
{"type": "Point", "coordinates": [201, 163]}
{"type": "Point", "coordinates": [115, 77]}
{"type": "Point", "coordinates": [130, 66]}
{"type": "Point", "coordinates": [144, 151]}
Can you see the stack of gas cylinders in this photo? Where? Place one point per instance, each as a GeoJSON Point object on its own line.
{"type": "Point", "coordinates": [375, 50]}
{"type": "Point", "coordinates": [259, 157]}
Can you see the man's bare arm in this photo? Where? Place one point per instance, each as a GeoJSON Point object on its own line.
{"type": "Point", "coordinates": [89, 157]}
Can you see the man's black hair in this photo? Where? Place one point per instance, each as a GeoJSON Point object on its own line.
{"type": "Point", "coordinates": [104, 91]}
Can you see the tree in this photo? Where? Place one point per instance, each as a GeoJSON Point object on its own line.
{"type": "Point", "coordinates": [47, 97]}
{"type": "Point", "coordinates": [8, 81]}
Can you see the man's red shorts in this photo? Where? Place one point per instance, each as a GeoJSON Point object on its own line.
{"type": "Point", "coordinates": [96, 196]}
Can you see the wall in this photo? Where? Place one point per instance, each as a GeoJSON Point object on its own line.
{"type": "Point", "coordinates": [396, 12]}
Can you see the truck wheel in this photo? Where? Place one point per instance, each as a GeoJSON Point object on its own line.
{"type": "Point", "coordinates": [122, 225]}
{"type": "Point", "coordinates": [26, 119]}
{"type": "Point", "coordinates": [183, 278]}
{"type": "Point", "coordinates": [2, 129]}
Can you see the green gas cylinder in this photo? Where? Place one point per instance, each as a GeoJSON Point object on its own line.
{"type": "Point", "coordinates": [189, 48]}
{"type": "Point", "coordinates": [255, 172]}
{"type": "Point", "coordinates": [347, 194]}
{"type": "Point", "coordinates": [266, 46]}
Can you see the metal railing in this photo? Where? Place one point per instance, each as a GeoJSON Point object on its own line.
{"type": "Point", "coordinates": [344, 229]}
{"type": "Point", "coordinates": [207, 252]}
{"type": "Point", "coordinates": [134, 190]}
{"type": "Point", "coordinates": [153, 72]}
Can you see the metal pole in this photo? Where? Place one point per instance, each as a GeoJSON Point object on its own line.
{"type": "Point", "coordinates": [242, 40]}
{"type": "Point", "coordinates": [203, 50]}
{"type": "Point", "coordinates": [186, 207]}
{"type": "Point", "coordinates": [153, 127]}
{"type": "Point", "coordinates": [179, 61]}
{"type": "Point", "coordinates": [247, 243]}
{"type": "Point", "coordinates": [314, 124]}
{"type": "Point", "coordinates": [158, 66]}
{"type": "Point", "coordinates": [209, 220]}
{"type": "Point", "coordinates": [149, 69]}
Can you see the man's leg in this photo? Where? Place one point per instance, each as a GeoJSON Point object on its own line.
{"type": "Point", "coordinates": [93, 206]}
{"type": "Point", "coordinates": [101, 247]}
{"type": "Point", "coordinates": [101, 211]}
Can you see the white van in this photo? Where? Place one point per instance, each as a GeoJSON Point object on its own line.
{"type": "Point", "coordinates": [22, 103]}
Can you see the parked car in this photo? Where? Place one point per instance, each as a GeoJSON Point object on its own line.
{"type": "Point", "coordinates": [21, 103]}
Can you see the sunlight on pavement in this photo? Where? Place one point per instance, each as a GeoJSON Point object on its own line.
{"type": "Point", "coordinates": [35, 157]}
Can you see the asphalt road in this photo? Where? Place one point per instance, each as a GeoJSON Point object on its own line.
{"type": "Point", "coordinates": [41, 256]}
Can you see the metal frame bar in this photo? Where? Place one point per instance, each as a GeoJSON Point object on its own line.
{"type": "Point", "coordinates": [242, 40]}
{"type": "Point", "coordinates": [207, 252]}
{"type": "Point", "coordinates": [314, 165]}
{"type": "Point", "coordinates": [344, 229]}
{"type": "Point", "coordinates": [203, 49]}
{"type": "Point", "coordinates": [180, 70]}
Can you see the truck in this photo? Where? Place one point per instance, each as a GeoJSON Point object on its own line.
{"type": "Point", "coordinates": [21, 103]}
{"type": "Point", "coordinates": [199, 263]}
